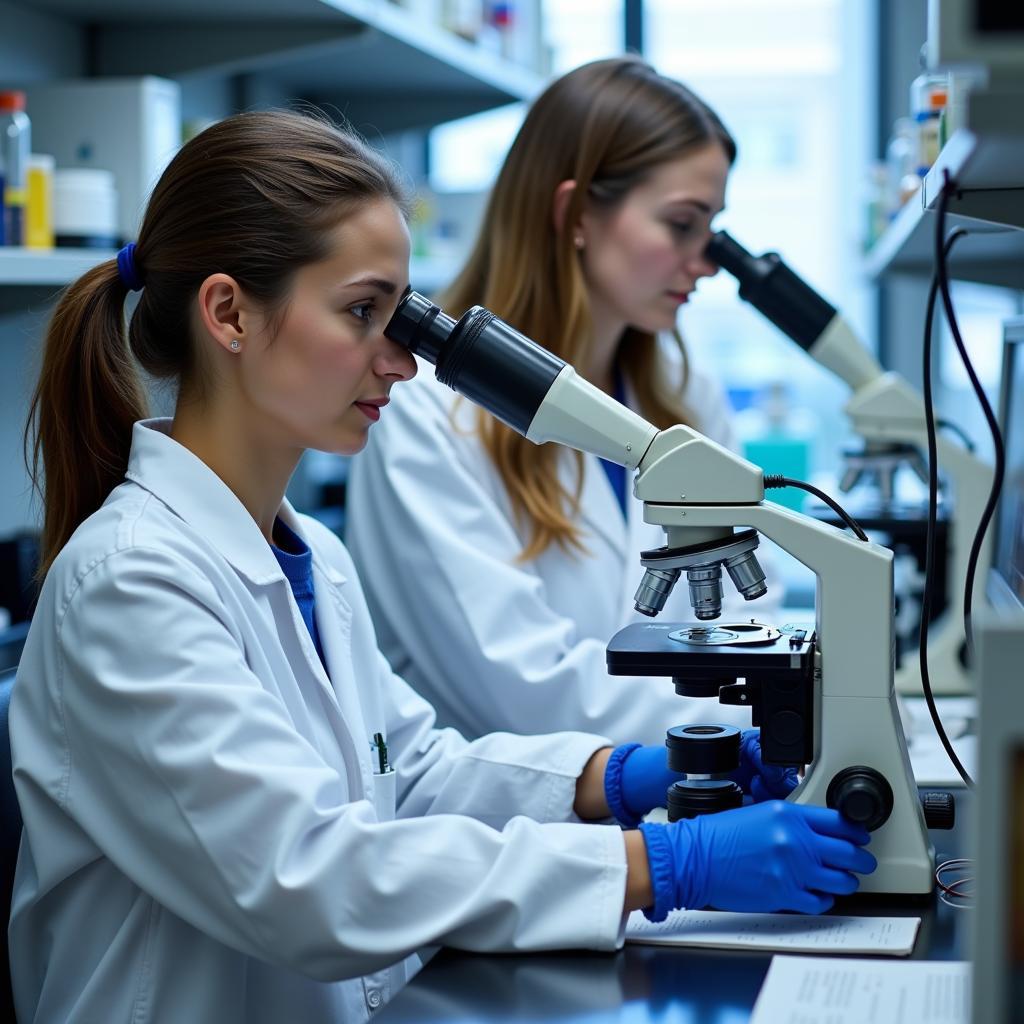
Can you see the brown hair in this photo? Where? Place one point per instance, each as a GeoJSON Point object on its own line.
{"type": "Point", "coordinates": [606, 125]}
{"type": "Point", "coordinates": [253, 196]}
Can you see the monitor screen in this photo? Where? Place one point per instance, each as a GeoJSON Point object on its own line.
{"type": "Point", "coordinates": [998, 16]}
{"type": "Point", "coordinates": [1008, 547]}
{"type": "Point", "coordinates": [1013, 998]}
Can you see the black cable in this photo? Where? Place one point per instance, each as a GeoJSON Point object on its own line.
{"type": "Point", "coordinates": [773, 480]}
{"type": "Point", "coordinates": [959, 431]}
{"type": "Point", "coordinates": [948, 187]}
{"type": "Point", "coordinates": [933, 509]}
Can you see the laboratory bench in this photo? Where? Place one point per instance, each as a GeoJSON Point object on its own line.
{"type": "Point", "coordinates": [642, 983]}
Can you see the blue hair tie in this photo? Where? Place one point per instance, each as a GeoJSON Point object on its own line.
{"type": "Point", "coordinates": [127, 269]}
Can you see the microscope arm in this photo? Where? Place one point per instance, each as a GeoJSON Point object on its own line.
{"type": "Point", "coordinates": [544, 399]}
{"type": "Point", "coordinates": [884, 410]}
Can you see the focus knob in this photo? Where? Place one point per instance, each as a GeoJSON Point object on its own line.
{"type": "Point", "coordinates": [939, 810]}
{"type": "Point", "coordinates": [861, 794]}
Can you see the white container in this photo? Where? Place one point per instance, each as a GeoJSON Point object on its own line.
{"type": "Point", "coordinates": [85, 208]}
{"type": "Point", "coordinates": [131, 126]}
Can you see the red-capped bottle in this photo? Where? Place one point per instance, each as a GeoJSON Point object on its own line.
{"type": "Point", "coordinates": [15, 147]}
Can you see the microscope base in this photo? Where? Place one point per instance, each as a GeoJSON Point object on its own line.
{"type": "Point", "coordinates": [867, 731]}
{"type": "Point", "coordinates": [945, 669]}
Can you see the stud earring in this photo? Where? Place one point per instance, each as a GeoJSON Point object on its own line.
{"type": "Point", "coordinates": [235, 345]}
{"type": "Point", "coordinates": [578, 241]}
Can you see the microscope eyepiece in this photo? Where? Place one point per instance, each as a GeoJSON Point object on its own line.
{"type": "Point", "coordinates": [773, 289]}
{"type": "Point", "coordinates": [420, 326]}
{"type": "Point", "coordinates": [724, 250]}
{"type": "Point", "coordinates": [480, 356]}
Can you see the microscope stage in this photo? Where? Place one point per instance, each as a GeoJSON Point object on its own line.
{"type": "Point", "coordinates": [721, 649]}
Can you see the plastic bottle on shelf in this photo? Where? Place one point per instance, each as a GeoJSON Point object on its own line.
{"type": "Point", "coordinates": [901, 178]}
{"type": "Point", "coordinates": [39, 212]}
{"type": "Point", "coordinates": [502, 15]}
{"type": "Point", "coordinates": [954, 115]}
{"type": "Point", "coordinates": [15, 148]}
{"type": "Point", "coordinates": [463, 17]}
{"type": "Point", "coordinates": [928, 95]}
{"type": "Point", "coordinates": [876, 203]}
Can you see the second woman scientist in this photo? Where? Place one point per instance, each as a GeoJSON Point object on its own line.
{"type": "Point", "coordinates": [527, 557]}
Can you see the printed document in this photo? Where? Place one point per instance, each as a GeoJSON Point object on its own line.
{"type": "Point", "coordinates": [825, 990]}
{"type": "Point", "coordinates": [794, 933]}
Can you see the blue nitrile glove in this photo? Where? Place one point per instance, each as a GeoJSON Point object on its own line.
{"type": "Point", "coordinates": [761, 781]}
{"type": "Point", "coordinates": [766, 857]}
{"type": "Point", "coordinates": [636, 780]}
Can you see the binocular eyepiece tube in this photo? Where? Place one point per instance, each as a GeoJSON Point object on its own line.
{"type": "Point", "coordinates": [478, 356]}
{"type": "Point", "coordinates": [544, 399]}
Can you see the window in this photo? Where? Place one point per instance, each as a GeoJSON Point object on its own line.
{"type": "Point", "coordinates": [780, 76]}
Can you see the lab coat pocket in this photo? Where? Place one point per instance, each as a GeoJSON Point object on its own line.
{"type": "Point", "coordinates": [384, 795]}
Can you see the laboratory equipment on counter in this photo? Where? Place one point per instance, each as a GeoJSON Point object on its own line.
{"type": "Point", "coordinates": [889, 415]}
{"type": "Point", "coordinates": [849, 734]}
{"type": "Point", "coordinates": [997, 940]}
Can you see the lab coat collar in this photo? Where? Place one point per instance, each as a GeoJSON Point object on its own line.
{"type": "Point", "coordinates": [186, 485]}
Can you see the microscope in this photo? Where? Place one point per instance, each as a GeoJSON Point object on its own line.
{"type": "Point", "coordinates": [823, 696]}
{"type": "Point", "coordinates": [886, 412]}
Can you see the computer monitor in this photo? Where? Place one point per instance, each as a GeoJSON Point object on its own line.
{"type": "Point", "coordinates": [976, 33]}
{"type": "Point", "coordinates": [1006, 579]}
{"type": "Point", "coordinates": [998, 830]}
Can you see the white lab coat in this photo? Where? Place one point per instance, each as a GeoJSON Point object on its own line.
{"type": "Point", "coordinates": [205, 838]}
{"type": "Point", "coordinates": [491, 642]}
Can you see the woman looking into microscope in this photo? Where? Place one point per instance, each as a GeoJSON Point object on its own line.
{"type": "Point", "coordinates": [592, 241]}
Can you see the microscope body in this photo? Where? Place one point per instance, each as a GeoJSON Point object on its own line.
{"type": "Point", "coordinates": [887, 411]}
{"type": "Point", "coordinates": [699, 492]}
{"type": "Point", "coordinates": [855, 722]}
{"type": "Point", "coordinates": [889, 416]}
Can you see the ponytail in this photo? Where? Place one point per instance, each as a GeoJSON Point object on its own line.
{"type": "Point", "coordinates": [88, 396]}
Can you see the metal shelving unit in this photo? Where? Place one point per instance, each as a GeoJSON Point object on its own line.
{"type": "Point", "coordinates": [373, 61]}
{"type": "Point", "coordinates": [987, 163]}
{"type": "Point", "coordinates": [42, 268]}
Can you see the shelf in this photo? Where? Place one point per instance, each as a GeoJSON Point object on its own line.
{"type": "Point", "coordinates": [990, 254]}
{"type": "Point", "coordinates": [382, 67]}
{"type": "Point", "coordinates": [47, 267]}
{"type": "Point", "coordinates": [987, 163]}
{"type": "Point", "coordinates": [42, 268]}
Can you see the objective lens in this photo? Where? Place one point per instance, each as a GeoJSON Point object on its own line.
{"type": "Point", "coordinates": [654, 589]}
{"type": "Point", "coordinates": [746, 572]}
{"type": "Point", "coordinates": [706, 590]}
